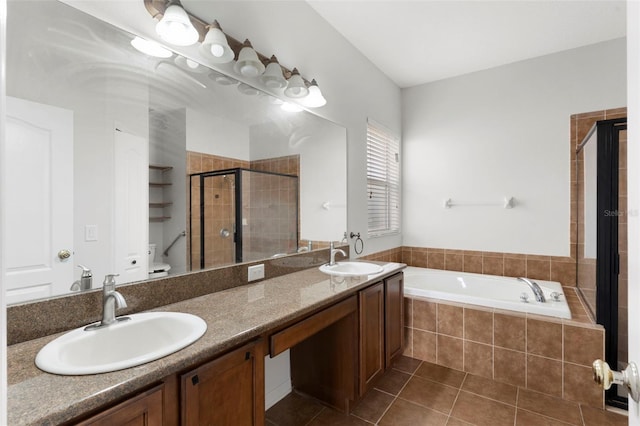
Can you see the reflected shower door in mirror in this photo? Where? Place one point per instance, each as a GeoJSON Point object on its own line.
{"type": "Point", "coordinates": [135, 128]}
{"type": "Point", "coordinates": [602, 237]}
{"type": "Point", "coordinates": [241, 215]}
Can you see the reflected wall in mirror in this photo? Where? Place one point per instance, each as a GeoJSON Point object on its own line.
{"type": "Point", "coordinates": [105, 142]}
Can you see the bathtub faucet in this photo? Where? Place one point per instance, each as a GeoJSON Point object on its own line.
{"type": "Point", "coordinates": [537, 291]}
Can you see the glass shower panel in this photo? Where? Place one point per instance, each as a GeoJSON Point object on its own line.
{"type": "Point", "coordinates": [269, 214]}
{"type": "Point", "coordinates": [587, 161]}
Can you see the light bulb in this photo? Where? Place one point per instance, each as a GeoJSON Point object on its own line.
{"type": "Point", "coordinates": [175, 27]}
{"type": "Point", "coordinates": [248, 63]}
{"type": "Point", "coordinates": [217, 50]}
{"type": "Point", "coordinates": [215, 46]}
{"type": "Point", "coordinates": [272, 77]}
{"type": "Point", "coordinates": [289, 107]}
{"type": "Point", "coordinates": [315, 98]}
{"type": "Point", "coordinates": [249, 70]}
{"type": "Point", "coordinates": [151, 48]}
{"type": "Point", "coordinates": [296, 88]}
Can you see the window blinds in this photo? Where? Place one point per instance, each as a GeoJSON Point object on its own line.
{"type": "Point", "coordinates": [383, 180]}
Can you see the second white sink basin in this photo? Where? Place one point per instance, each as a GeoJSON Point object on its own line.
{"type": "Point", "coordinates": [351, 269]}
{"type": "Point", "coordinates": [145, 337]}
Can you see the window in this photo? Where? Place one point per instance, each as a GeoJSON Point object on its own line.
{"type": "Point", "coordinates": [383, 180]}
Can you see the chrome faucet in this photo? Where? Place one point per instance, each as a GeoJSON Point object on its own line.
{"type": "Point", "coordinates": [110, 300]}
{"type": "Point", "coordinates": [332, 254]}
{"type": "Point", "coordinates": [537, 291]}
{"type": "Point", "coordinates": [85, 281]}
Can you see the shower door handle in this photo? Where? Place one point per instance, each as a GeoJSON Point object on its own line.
{"type": "Point", "coordinates": [629, 377]}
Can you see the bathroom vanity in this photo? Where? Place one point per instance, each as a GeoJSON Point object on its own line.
{"type": "Point", "coordinates": [343, 332]}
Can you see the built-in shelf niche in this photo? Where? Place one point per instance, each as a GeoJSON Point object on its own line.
{"type": "Point", "coordinates": [157, 202]}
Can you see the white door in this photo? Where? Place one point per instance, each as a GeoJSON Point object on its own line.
{"type": "Point", "coordinates": [38, 201]}
{"type": "Point", "coordinates": [131, 207]}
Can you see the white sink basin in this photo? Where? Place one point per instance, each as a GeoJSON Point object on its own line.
{"type": "Point", "coordinates": [351, 269]}
{"type": "Point", "coordinates": [146, 337]}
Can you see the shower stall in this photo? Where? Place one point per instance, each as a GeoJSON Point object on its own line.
{"type": "Point", "coordinates": [241, 215]}
{"type": "Point", "coordinates": [602, 238]}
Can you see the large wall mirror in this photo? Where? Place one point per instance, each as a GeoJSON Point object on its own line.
{"type": "Point", "coordinates": [143, 166]}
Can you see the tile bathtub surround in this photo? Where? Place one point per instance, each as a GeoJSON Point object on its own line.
{"type": "Point", "coordinates": [546, 355]}
{"type": "Point", "coordinates": [550, 268]}
{"type": "Point", "coordinates": [28, 321]}
{"type": "Point", "coordinates": [428, 394]}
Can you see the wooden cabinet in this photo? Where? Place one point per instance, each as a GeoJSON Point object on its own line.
{"type": "Point", "coordinates": [372, 364]}
{"type": "Point", "coordinates": [226, 391]}
{"type": "Point", "coordinates": [145, 409]}
{"type": "Point", "coordinates": [381, 328]}
{"type": "Point", "coordinates": [337, 354]}
{"type": "Point", "coordinates": [394, 317]}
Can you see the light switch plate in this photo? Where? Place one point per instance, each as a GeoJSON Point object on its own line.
{"type": "Point", "coordinates": [91, 232]}
{"type": "Point", "coordinates": [256, 272]}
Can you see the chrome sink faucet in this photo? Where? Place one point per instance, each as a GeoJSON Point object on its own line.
{"type": "Point", "coordinates": [537, 291]}
{"type": "Point", "coordinates": [332, 254]}
{"type": "Point", "coordinates": [111, 300]}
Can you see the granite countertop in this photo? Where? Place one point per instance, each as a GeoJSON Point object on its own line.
{"type": "Point", "coordinates": [233, 317]}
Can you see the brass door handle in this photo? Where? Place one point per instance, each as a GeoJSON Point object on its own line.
{"type": "Point", "coordinates": [64, 254]}
{"type": "Point", "coordinates": [606, 377]}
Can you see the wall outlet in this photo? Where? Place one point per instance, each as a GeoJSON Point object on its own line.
{"type": "Point", "coordinates": [256, 272]}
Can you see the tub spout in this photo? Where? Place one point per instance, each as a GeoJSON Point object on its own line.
{"type": "Point", "coordinates": [537, 291]}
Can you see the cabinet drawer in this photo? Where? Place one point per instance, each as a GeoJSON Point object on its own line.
{"type": "Point", "coordinates": [289, 337]}
{"type": "Point", "coordinates": [144, 409]}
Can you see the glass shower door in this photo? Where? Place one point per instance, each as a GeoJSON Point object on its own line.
{"type": "Point", "coordinates": [213, 221]}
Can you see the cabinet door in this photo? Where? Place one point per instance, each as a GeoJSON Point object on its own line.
{"type": "Point", "coordinates": [141, 410]}
{"type": "Point", "coordinates": [394, 317]}
{"type": "Point", "coordinates": [226, 391]}
{"type": "Point", "coordinates": [371, 304]}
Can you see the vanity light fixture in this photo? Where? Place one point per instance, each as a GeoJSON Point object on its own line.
{"type": "Point", "coordinates": [314, 99]}
{"type": "Point", "coordinates": [248, 63]}
{"type": "Point", "coordinates": [218, 47]}
{"type": "Point", "coordinates": [175, 27]}
{"type": "Point", "coordinates": [215, 45]}
{"type": "Point", "coordinates": [150, 48]}
{"type": "Point", "coordinates": [296, 88]}
{"type": "Point", "coordinates": [273, 77]}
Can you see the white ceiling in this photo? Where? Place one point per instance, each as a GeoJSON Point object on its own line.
{"type": "Point", "coordinates": [420, 41]}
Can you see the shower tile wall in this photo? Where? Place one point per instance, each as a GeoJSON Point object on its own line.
{"type": "Point", "coordinates": [222, 252]}
{"type": "Point", "coordinates": [273, 232]}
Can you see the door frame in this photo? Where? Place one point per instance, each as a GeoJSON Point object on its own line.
{"type": "Point", "coordinates": [608, 258]}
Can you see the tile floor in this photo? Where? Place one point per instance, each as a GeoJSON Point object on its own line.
{"type": "Point", "coordinates": [417, 393]}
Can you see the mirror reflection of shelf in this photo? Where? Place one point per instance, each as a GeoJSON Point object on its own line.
{"type": "Point", "coordinates": [157, 201]}
{"type": "Point", "coordinates": [159, 218]}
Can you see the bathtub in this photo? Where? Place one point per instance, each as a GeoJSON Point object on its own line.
{"type": "Point", "coordinates": [485, 290]}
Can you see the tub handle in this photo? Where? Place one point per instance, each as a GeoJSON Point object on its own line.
{"type": "Point", "coordinates": [524, 297]}
{"type": "Point", "coordinates": [555, 296]}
